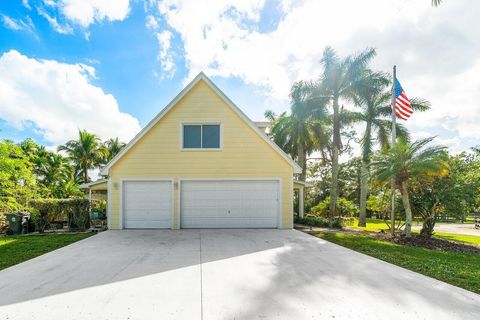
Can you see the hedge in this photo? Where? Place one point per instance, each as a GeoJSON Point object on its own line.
{"type": "Point", "coordinates": [47, 211]}
{"type": "Point", "coordinates": [318, 222]}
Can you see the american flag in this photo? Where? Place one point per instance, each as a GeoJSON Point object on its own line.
{"type": "Point", "coordinates": [403, 107]}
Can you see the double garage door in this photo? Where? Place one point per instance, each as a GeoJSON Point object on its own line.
{"type": "Point", "coordinates": [203, 204]}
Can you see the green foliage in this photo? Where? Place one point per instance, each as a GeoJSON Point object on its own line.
{"type": "Point", "coordinates": [303, 131]}
{"type": "Point", "coordinates": [378, 204]}
{"type": "Point", "coordinates": [17, 181]}
{"type": "Point", "coordinates": [87, 152]}
{"type": "Point", "coordinates": [113, 146]}
{"type": "Point", "coordinates": [319, 222]}
{"type": "Point", "coordinates": [454, 193]}
{"type": "Point", "coordinates": [47, 211]}
{"type": "Point", "coordinates": [345, 208]}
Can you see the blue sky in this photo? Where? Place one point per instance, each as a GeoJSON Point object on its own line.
{"type": "Point", "coordinates": [110, 66]}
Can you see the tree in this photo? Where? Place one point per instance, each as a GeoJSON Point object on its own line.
{"type": "Point", "coordinates": [454, 194]}
{"type": "Point", "coordinates": [375, 105]}
{"type": "Point", "coordinates": [113, 146]}
{"type": "Point", "coordinates": [87, 152]}
{"type": "Point", "coordinates": [341, 78]}
{"type": "Point", "coordinates": [405, 161]}
{"type": "Point", "coordinates": [17, 181]}
{"type": "Point", "coordinates": [436, 3]}
{"type": "Point", "coordinates": [301, 132]}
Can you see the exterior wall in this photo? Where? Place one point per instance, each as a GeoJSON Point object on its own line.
{"type": "Point", "coordinates": [158, 154]}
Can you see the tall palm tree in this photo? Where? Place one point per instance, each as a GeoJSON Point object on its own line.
{"type": "Point", "coordinates": [87, 152]}
{"type": "Point", "coordinates": [341, 78]}
{"type": "Point", "coordinates": [375, 105]}
{"type": "Point", "coordinates": [436, 3]}
{"type": "Point", "coordinates": [406, 160]}
{"type": "Point", "coordinates": [113, 146]}
{"type": "Point", "coordinates": [303, 131]}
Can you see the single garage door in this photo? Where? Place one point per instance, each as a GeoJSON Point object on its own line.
{"type": "Point", "coordinates": [230, 204]}
{"type": "Point", "coordinates": [147, 204]}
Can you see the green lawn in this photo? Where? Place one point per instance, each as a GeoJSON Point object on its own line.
{"type": "Point", "coordinates": [459, 237]}
{"type": "Point", "coordinates": [374, 225]}
{"type": "Point", "coordinates": [16, 249]}
{"type": "Point", "coordinates": [455, 268]}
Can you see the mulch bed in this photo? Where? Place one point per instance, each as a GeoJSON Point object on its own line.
{"type": "Point", "coordinates": [428, 243]}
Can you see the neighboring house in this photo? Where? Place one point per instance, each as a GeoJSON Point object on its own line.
{"type": "Point", "coordinates": [200, 163]}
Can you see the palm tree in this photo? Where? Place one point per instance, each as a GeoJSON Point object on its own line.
{"type": "Point", "coordinates": [113, 146]}
{"type": "Point", "coordinates": [87, 152]}
{"type": "Point", "coordinates": [436, 3]}
{"type": "Point", "coordinates": [341, 78]}
{"type": "Point", "coordinates": [375, 105]}
{"type": "Point", "coordinates": [406, 160]}
{"type": "Point", "coordinates": [303, 131]}
{"type": "Point", "coordinates": [53, 169]}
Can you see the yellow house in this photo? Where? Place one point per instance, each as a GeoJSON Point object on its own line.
{"type": "Point", "coordinates": [200, 163]}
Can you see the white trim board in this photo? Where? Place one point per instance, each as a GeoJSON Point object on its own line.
{"type": "Point", "coordinates": [201, 76]}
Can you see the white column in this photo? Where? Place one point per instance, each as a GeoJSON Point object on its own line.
{"type": "Point", "coordinates": [300, 202]}
{"type": "Point", "coordinates": [90, 198]}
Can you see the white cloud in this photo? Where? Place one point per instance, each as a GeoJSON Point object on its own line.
{"type": "Point", "coordinates": [165, 54]}
{"type": "Point", "coordinates": [436, 48]}
{"type": "Point", "coordinates": [26, 4]}
{"type": "Point", "coordinates": [86, 12]}
{"type": "Point", "coordinates": [151, 22]}
{"type": "Point", "coordinates": [25, 24]}
{"type": "Point", "coordinates": [10, 23]}
{"type": "Point", "coordinates": [58, 99]}
{"type": "Point", "coordinates": [58, 27]}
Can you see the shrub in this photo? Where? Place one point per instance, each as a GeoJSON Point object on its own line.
{"type": "Point", "coordinates": [345, 208]}
{"type": "Point", "coordinates": [47, 211]}
{"type": "Point", "coordinates": [348, 221]}
{"type": "Point", "coordinates": [39, 218]}
{"type": "Point", "coordinates": [313, 221]}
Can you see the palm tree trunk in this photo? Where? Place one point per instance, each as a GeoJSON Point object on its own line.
{"type": "Point", "coordinates": [335, 154]}
{"type": "Point", "coordinates": [302, 161]}
{"type": "Point", "coordinates": [362, 221]}
{"type": "Point", "coordinates": [85, 174]}
{"type": "Point", "coordinates": [408, 210]}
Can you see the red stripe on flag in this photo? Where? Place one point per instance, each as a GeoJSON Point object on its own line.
{"type": "Point", "coordinates": [403, 114]}
{"type": "Point", "coordinates": [404, 110]}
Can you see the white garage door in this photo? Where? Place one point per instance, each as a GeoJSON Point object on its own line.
{"type": "Point", "coordinates": [147, 204]}
{"type": "Point", "coordinates": [229, 204]}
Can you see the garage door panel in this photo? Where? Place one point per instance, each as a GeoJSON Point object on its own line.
{"type": "Point", "coordinates": [230, 204]}
{"type": "Point", "coordinates": [147, 204]}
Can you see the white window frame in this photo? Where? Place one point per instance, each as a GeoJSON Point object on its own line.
{"type": "Point", "coordinates": [201, 123]}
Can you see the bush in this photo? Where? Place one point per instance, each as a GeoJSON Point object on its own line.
{"type": "Point", "coordinates": [313, 221]}
{"type": "Point", "coordinates": [345, 208]}
{"type": "Point", "coordinates": [348, 222]}
{"type": "Point", "coordinates": [47, 211]}
{"type": "Point", "coordinates": [39, 218]}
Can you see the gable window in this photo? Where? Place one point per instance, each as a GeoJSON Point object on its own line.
{"type": "Point", "coordinates": [201, 136]}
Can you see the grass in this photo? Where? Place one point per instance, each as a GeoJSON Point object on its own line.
{"type": "Point", "coordinates": [459, 237]}
{"type": "Point", "coordinates": [16, 249]}
{"type": "Point", "coordinates": [375, 225]}
{"type": "Point", "coordinates": [458, 269]}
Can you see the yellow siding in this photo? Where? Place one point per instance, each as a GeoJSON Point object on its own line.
{"type": "Point", "coordinates": [158, 153]}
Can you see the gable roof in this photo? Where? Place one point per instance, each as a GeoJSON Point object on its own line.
{"type": "Point", "coordinates": [198, 78]}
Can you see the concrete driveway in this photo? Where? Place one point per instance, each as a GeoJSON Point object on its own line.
{"type": "Point", "coordinates": [221, 274]}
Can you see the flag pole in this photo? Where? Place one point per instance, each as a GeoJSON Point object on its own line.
{"type": "Point", "coordinates": [394, 141]}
